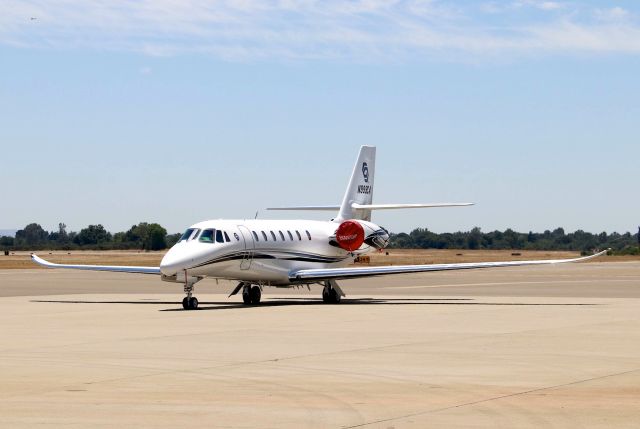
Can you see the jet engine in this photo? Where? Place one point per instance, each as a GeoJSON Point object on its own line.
{"type": "Point", "coordinates": [352, 234]}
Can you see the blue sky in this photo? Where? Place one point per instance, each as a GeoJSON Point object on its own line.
{"type": "Point", "coordinates": [175, 112]}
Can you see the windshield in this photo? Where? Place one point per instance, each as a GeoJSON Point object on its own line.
{"type": "Point", "coordinates": [186, 234]}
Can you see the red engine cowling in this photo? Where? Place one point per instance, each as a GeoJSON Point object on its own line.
{"type": "Point", "coordinates": [350, 235]}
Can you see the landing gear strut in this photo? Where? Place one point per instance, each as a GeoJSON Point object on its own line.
{"type": "Point", "coordinates": [251, 294]}
{"type": "Point", "coordinates": [331, 294]}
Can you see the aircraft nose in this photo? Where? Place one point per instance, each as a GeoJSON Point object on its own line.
{"type": "Point", "coordinates": [172, 262]}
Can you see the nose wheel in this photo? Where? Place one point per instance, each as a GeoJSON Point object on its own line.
{"type": "Point", "coordinates": [190, 303]}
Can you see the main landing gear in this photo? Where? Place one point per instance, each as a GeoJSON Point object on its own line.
{"type": "Point", "coordinates": [251, 294]}
{"type": "Point", "coordinates": [331, 293]}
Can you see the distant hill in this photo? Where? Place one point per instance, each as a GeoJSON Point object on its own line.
{"type": "Point", "coordinates": [8, 232]}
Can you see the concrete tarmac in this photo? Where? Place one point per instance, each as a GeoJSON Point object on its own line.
{"type": "Point", "coordinates": [519, 347]}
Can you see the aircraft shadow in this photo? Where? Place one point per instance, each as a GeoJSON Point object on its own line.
{"type": "Point", "coordinates": [280, 302]}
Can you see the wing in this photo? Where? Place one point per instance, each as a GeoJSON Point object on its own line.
{"type": "Point", "coordinates": [350, 272]}
{"type": "Point", "coordinates": [114, 268]}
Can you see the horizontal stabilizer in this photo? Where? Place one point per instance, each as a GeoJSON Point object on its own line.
{"type": "Point", "coordinates": [406, 206]}
{"type": "Point", "coordinates": [357, 206]}
{"type": "Point", "coordinates": [321, 208]}
{"type": "Point", "coordinates": [112, 268]}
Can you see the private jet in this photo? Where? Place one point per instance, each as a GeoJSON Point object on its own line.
{"type": "Point", "coordinates": [289, 253]}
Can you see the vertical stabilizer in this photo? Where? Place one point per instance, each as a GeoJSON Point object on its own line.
{"type": "Point", "coordinates": [360, 189]}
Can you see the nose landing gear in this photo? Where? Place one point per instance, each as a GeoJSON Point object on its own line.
{"type": "Point", "coordinates": [189, 302]}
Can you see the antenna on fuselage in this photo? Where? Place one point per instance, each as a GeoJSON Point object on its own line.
{"type": "Point", "coordinates": [256, 216]}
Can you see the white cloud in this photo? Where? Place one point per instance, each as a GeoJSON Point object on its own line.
{"type": "Point", "coordinates": [550, 5]}
{"type": "Point", "coordinates": [612, 14]}
{"type": "Point", "coordinates": [539, 4]}
{"type": "Point", "coordinates": [361, 30]}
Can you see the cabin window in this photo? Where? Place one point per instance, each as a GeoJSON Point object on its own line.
{"type": "Point", "coordinates": [226, 237]}
{"type": "Point", "coordinates": [255, 236]}
{"type": "Point", "coordinates": [219, 238]}
{"type": "Point", "coordinates": [299, 236]}
{"type": "Point", "coordinates": [281, 235]}
{"type": "Point", "coordinates": [195, 234]}
{"type": "Point", "coordinates": [264, 236]}
{"type": "Point", "coordinates": [186, 234]}
{"type": "Point", "coordinates": [290, 236]}
{"type": "Point", "coordinates": [273, 235]}
{"type": "Point", "coordinates": [308, 235]}
{"type": "Point", "coordinates": [207, 235]}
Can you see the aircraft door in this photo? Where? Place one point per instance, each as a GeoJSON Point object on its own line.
{"type": "Point", "coordinates": [249, 247]}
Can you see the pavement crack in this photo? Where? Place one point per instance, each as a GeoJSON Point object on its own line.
{"type": "Point", "coordinates": [495, 398]}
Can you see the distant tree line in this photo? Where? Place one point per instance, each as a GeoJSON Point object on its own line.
{"type": "Point", "coordinates": [152, 236]}
{"type": "Point", "coordinates": [143, 236]}
{"type": "Point", "coordinates": [586, 242]}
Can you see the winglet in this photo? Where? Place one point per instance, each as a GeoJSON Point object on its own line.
{"type": "Point", "coordinates": [114, 268]}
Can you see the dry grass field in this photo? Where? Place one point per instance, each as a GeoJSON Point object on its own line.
{"type": "Point", "coordinates": [22, 260]}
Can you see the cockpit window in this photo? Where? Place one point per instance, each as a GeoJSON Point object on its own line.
{"type": "Point", "coordinates": [226, 237]}
{"type": "Point", "coordinates": [186, 234]}
{"type": "Point", "coordinates": [195, 234]}
{"type": "Point", "coordinates": [207, 235]}
{"type": "Point", "coordinates": [219, 238]}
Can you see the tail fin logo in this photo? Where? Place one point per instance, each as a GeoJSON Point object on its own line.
{"type": "Point", "coordinates": [365, 172]}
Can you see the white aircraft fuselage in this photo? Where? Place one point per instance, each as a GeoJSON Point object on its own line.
{"type": "Point", "coordinates": [262, 251]}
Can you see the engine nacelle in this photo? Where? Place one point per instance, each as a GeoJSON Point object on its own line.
{"type": "Point", "coordinates": [352, 234]}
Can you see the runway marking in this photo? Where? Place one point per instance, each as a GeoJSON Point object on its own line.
{"type": "Point", "coordinates": [495, 398]}
{"type": "Point", "coordinates": [511, 283]}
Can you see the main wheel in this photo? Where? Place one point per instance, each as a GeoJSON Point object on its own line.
{"type": "Point", "coordinates": [185, 303]}
{"type": "Point", "coordinates": [325, 295]}
{"type": "Point", "coordinates": [334, 296]}
{"type": "Point", "coordinates": [256, 294]}
{"type": "Point", "coordinates": [246, 295]}
{"type": "Point", "coordinates": [193, 303]}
